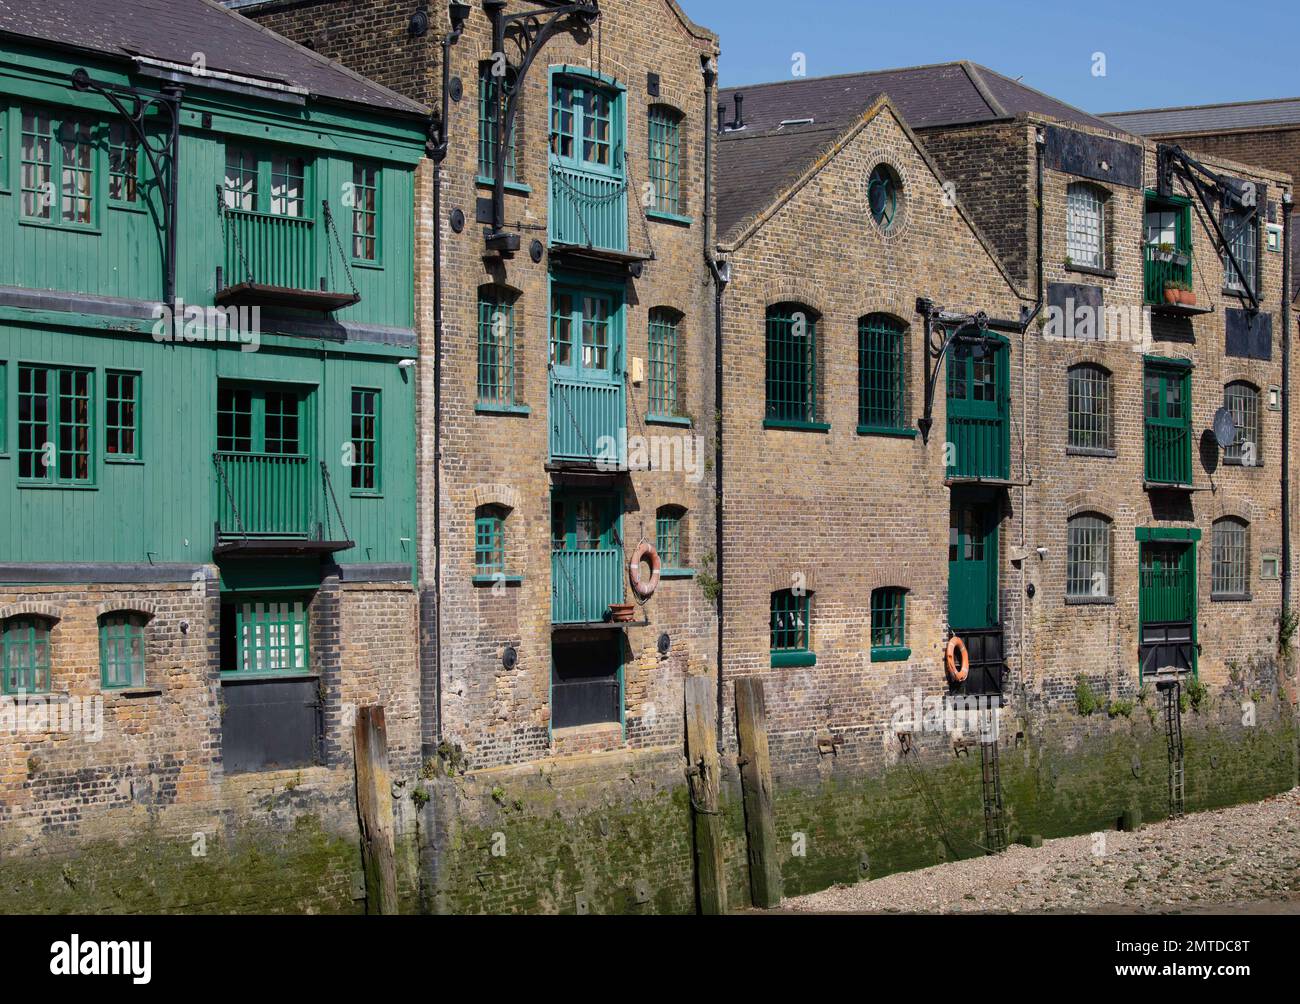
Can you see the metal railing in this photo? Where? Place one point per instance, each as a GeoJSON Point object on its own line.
{"type": "Point", "coordinates": [269, 250]}
{"type": "Point", "coordinates": [979, 447]}
{"type": "Point", "coordinates": [265, 495]}
{"type": "Point", "coordinates": [583, 416]}
{"type": "Point", "coordinates": [1157, 273]}
{"type": "Point", "coordinates": [1168, 455]}
{"type": "Point", "coordinates": [588, 210]}
{"type": "Point", "coordinates": [584, 584]}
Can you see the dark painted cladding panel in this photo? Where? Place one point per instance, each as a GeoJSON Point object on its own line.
{"type": "Point", "coordinates": [1082, 154]}
{"type": "Point", "coordinates": [1060, 293]}
{"type": "Point", "coordinates": [1248, 337]}
{"type": "Point", "coordinates": [269, 724]}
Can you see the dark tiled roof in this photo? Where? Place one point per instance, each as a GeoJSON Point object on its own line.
{"type": "Point", "coordinates": [1210, 118]}
{"type": "Point", "coordinates": [777, 144]}
{"type": "Point", "coordinates": [173, 30]}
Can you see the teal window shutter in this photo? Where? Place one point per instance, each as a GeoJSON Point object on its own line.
{"type": "Point", "coordinates": [791, 364]}
{"type": "Point", "coordinates": [889, 625]}
{"type": "Point", "coordinates": [25, 655]}
{"type": "Point", "coordinates": [121, 650]}
{"type": "Point", "coordinates": [882, 387]}
{"type": "Point", "coordinates": [365, 440]}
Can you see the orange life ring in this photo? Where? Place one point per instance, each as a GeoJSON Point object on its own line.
{"type": "Point", "coordinates": [646, 553]}
{"type": "Point", "coordinates": [955, 644]}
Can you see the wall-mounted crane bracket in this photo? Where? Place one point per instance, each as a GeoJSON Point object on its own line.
{"type": "Point", "coordinates": [942, 329]}
{"type": "Point", "coordinates": [161, 148]}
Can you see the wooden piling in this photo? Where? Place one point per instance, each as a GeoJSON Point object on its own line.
{"type": "Point", "coordinates": [703, 781]}
{"type": "Point", "coordinates": [756, 785]}
{"type": "Point", "coordinates": [375, 810]}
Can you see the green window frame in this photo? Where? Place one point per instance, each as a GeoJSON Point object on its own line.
{"type": "Point", "coordinates": [1167, 405]}
{"type": "Point", "coordinates": [668, 536]}
{"type": "Point", "coordinates": [665, 156]}
{"type": "Point", "coordinates": [122, 650]}
{"type": "Point", "coordinates": [1088, 557]}
{"type": "Point", "coordinates": [124, 165]}
{"type": "Point", "coordinates": [889, 625]}
{"type": "Point", "coordinates": [1166, 222]}
{"type": "Point", "coordinates": [791, 628]}
{"type": "Point", "coordinates": [491, 109]}
{"type": "Point", "coordinates": [25, 655]}
{"type": "Point", "coordinates": [4, 147]}
{"type": "Point", "coordinates": [882, 374]}
{"type": "Point", "coordinates": [489, 541]}
{"type": "Point", "coordinates": [366, 199]}
{"type": "Point", "coordinates": [1088, 409]}
{"type": "Point", "coordinates": [791, 365]}
{"type": "Point", "coordinates": [497, 382]}
{"type": "Point", "coordinates": [273, 182]}
{"type": "Point", "coordinates": [121, 415]}
{"type": "Point", "coordinates": [272, 637]}
{"type": "Point", "coordinates": [261, 419]}
{"type": "Point", "coordinates": [1230, 559]}
{"type": "Point", "coordinates": [586, 125]}
{"type": "Point", "coordinates": [59, 165]}
{"type": "Point", "coordinates": [4, 408]}
{"type": "Point", "coordinates": [365, 427]}
{"type": "Point", "coordinates": [55, 409]}
{"type": "Point", "coordinates": [665, 393]}
{"type": "Point", "coordinates": [1242, 401]}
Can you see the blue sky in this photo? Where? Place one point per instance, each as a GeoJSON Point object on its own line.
{"type": "Point", "coordinates": [1156, 54]}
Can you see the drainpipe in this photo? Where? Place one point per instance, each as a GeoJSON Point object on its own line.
{"type": "Point", "coordinates": [1287, 206]}
{"type": "Point", "coordinates": [719, 287]}
{"type": "Point", "coordinates": [1040, 141]}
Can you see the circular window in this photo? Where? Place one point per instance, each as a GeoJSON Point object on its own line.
{"type": "Point", "coordinates": [884, 193]}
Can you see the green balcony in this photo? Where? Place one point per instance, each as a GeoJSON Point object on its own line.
{"type": "Point", "coordinates": [584, 584]}
{"type": "Point", "coordinates": [273, 503]}
{"type": "Point", "coordinates": [269, 260]}
{"type": "Point", "coordinates": [588, 209]}
{"type": "Point", "coordinates": [587, 423]}
{"type": "Point", "coordinates": [1161, 269]}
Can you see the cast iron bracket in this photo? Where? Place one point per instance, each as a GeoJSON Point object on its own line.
{"type": "Point", "coordinates": [941, 330]}
{"type": "Point", "coordinates": [161, 149]}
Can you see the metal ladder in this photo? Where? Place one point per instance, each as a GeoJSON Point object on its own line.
{"type": "Point", "coordinates": [995, 827]}
{"type": "Point", "coordinates": [1174, 736]}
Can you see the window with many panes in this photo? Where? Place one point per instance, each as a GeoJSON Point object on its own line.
{"type": "Point", "coordinates": [590, 317]}
{"type": "Point", "coordinates": [490, 540]}
{"type": "Point", "coordinates": [665, 397]}
{"type": "Point", "coordinates": [889, 625]}
{"type": "Point", "coordinates": [497, 383]}
{"type": "Point", "coordinates": [121, 415]}
{"type": "Point", "coordinates": [58, 168]}
{"type": "Point", "coordinates": [584, 126]}
{"type": "Point", "coordinates": [791, 626]}
{"type": "Point", "coordinates": [54, 425]}
{"type": "Point", "coordinates": [1229, 575]}
{"type": "Point", "coordinates": [365, 441]}
{"type": "Point", "coordinates": [1085, 225]}
{"type": "Point", "coordinates": [25, 655]}
{"type": "Point", "coordinates": [121, 650]}
{"type": "Point", "coordinates": [668, 536]}
{"type": "Point", "coordinates": [492, 99]}
{"type": "Point", "coordinates": [1089, 408]}
{"type": "Point", "coordinates": [882, 366]}
{"type": "Point", "coordinates": [791, 364]}
{"type": "Point", "coordinates": [1243, 239]}
{"type": "Point", "coordinates": [1242, 401]}
{"type": "Point", "coordinates": [259, 420]}
{"type": "Point", "coordinates": [266, 636]}
{"type": "Point", "coordinates": [256, 181]}
{"type": "Point", "coordinates": [123, 164]}
{"type": "Point", "coordinates": [1087, 558]}
{"type": "Point", "coordinates": [665, 160]}
{"type": "Point", "coordinates": [365, 212]}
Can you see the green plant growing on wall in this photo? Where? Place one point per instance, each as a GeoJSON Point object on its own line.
{"type": "Point", "coordinates": [1286, 630]}
{"type": "Point", "coordinates": [419, 796]}
{"type": "Point", "coordinates": [499, 795]}
{"type": "Point", "coordinates": [1085, 698]}
{"type": "Point", "coordinates": [1121, 708]}
{"type": "Point", "coordinates": [453, 758]}
{"type": "Point", "coordinates": [1196, 693]}
{"type": "Point", "coordinates": [707, 581]}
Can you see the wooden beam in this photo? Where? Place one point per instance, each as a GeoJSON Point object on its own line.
{"type": "Point", "coordinates": [756, 785]}
{"type": "Point", "coordinates": [375, 811]}
{"type": "Point", "coordinates": [703, 777]}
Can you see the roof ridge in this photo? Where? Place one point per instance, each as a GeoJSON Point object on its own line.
{"type": "Point", "coordinates": [1035, 90]}
{"type": "Point", "coordinates": [842, 76]}
{"type": "Point", "coordinates": [1197, 108]}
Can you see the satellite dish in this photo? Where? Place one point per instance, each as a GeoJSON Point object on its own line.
{"type": "Point", "coordinates": [1225, 428]}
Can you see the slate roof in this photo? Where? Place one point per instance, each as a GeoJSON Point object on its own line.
{"type": "Point", "coordinates": [1210, 118]}
{"type": "Point", "coordinates": [757, 162]}
{"type": "Point", "coordinates": [173, 30]}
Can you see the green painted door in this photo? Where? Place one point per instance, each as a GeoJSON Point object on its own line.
{"type": "Point", "coordinates": [973, 565]}
{"type": "Point", "coordinates": [1167, 607]}
{"type": "Point", "coordinates": [978, 405]}
{"type": "Point", "coordinates": [1167, 397]}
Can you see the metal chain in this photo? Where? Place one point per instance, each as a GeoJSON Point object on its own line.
{"type": "Point", "coordinates": [338, 244]}
{"type": "Point", "coordinates": [221, 474]}
{"type": "Point", "coordinates": [329, 487]}
{"type": "Point", "coordinates": [224, 212]}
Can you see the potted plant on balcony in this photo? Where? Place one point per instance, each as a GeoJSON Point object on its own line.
{"type": "Point", "coordinates": [622, 613]}
{"type": "Point", "coordinates": [1177, 291]}
{"type": "Point", "coordinates": [1164, 252]}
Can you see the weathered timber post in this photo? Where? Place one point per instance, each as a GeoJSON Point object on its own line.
{"type": "Point", "coordinates": [375, 810]}
{"type": "Point", "coordinates": [756, 784]}
{"type": "Point", "coordinates": [703, 775]}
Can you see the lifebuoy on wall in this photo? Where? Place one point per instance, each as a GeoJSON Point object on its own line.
{"type": "Point", "coordinates": [650, 556]}
{"type": "Point", "coordinates": [958, 673]}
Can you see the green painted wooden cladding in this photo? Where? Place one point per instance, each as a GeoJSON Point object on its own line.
{"type": "Point", "coordinates": [1167, 583]}
{"type": "Point", "coordinates": [586, 557]}
{"type": "Point", "coordinates": [1167, 400]}
{"type": "Point", "coordinates": [979, 407]}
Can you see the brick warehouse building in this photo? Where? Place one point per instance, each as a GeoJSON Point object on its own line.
{"type": "Point", "coordinates": [208, 529]}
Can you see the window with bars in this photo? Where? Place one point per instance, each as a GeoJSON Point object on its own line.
{"type": "Point", "coordinates": [121, 650]}
{"type": "Point", "coordinates": [491, 109]}
{"type": "Point", "coordinates": [1089, 408]}
{"type": "Point", "coordinates": [889, 625]}
{"type": "Point", "coordinates": [1243, 239]}
{"type": "Point", "coordinates": [497, 383]}
{"type": "Point", "coordinates": [791, 627]}
{"type": "Point", "coordinates": [365, 441]}
{"type": "Point", "coordinates": [489, 541]}
{"type": "Point", "coordinates": [882, 365]}
{"type": "Point", "coordinates": [1229, 575]}
{"type": "Point", "coordinates": [267, 636]}
{"type": "Point", "coordinates": [1087, 562]}
{"type": "Point", "coordinates": [791, 365]}
{"type": "Point", "coordinates": [665, 398]}
{"type": "Point", "coordinates": [274, 183]}
{"type": "Point", "coordinates": [121, 416]}
{"type": "Point", "coordinates": [668, 536]}
{"type": "Point", "coordinates": [58, 168]}
{"type": "Point", "coordinates": [1085, 225]}
{"type": "Point", "coordinates": [54, 425]}
{"type": "Point", "coordinates": [365, 212]}
{"type": "Point", "coordinates": [665, 159]}
{"type": "Point", "coordinates": [25, 655]}
{"type": "Point", "coordinates": [1242, 401]}
{"type": "Point", "coordinates": [123, 164]}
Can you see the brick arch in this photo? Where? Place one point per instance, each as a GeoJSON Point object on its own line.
{"type": "Point", "coordinates": [145, 608]}
{"type": "Point", "coordinates": [891, 306]}
{"type": "Point", "coordinates": [793, 291]}
{"type": "Point", "coordinates": [31, 608]}
{"type": "Point", "coordinates": [783, 577]}
{"type": "Point", "coordinates": [1092, 500]}
{"type": "Point", "coordinates": [671, 96]}
{"type": "Point", "coordinates": [505, 496]}
{"type": "Point", "coordinates": [1241, 371]}
{"type": "Point", "coordinates": [1223, 507]}
{"type": "Point", "coordinates": [888, 576]}
{"type": "Point", "coordinates": [1075, 353]}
